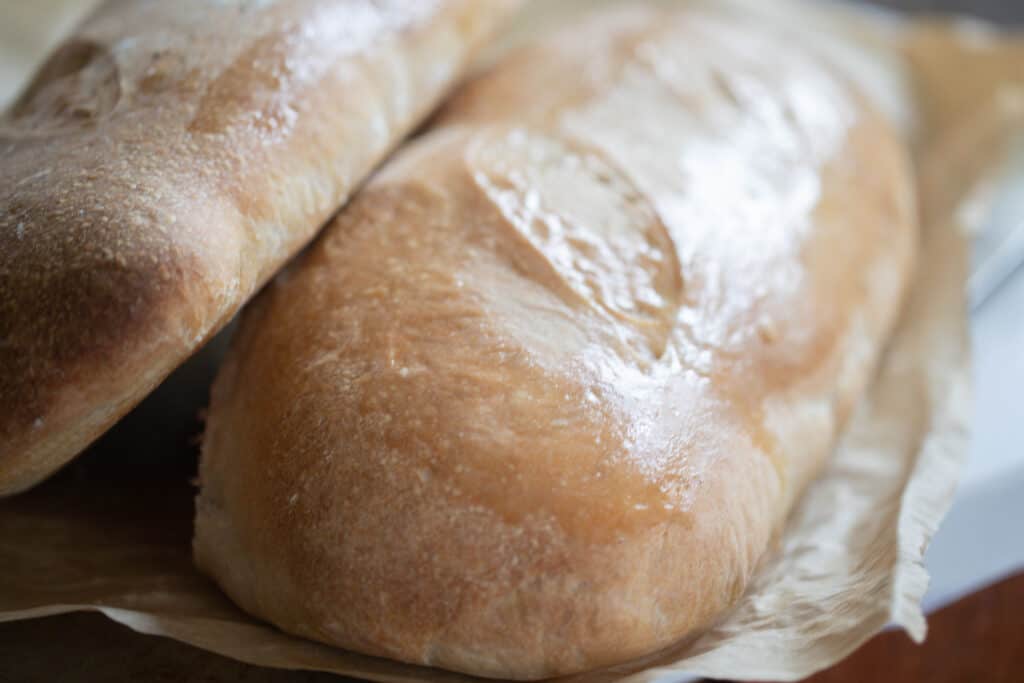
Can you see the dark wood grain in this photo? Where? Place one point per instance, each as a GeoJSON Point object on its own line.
{"type": "Point", "coordinates": [979, 639]}
{"type": "Point", "coordinates": [89, 648]}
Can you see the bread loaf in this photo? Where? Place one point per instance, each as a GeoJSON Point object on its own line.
{"type": "Point", "coordinates": [165, 161]}
{"type": "Point", "coordinates": [539, 399]}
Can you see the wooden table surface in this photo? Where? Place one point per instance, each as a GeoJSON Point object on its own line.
{"type": "Point", "coordinates": [980, 638]}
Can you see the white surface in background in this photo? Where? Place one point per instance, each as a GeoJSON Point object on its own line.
{"type": "Point", "coordinates": [981, 539]}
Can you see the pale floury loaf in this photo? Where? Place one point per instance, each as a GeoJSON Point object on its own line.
{"type": "Point", "coordinates": [539, 399]}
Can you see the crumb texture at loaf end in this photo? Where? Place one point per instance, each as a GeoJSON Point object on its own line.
{"type": "Point", "coordinates": [542, 395]}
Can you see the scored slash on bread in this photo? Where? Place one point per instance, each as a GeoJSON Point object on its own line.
{"type": "Point", "coordinates": [539, 399]}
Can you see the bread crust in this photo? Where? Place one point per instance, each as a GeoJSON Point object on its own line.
{"type": "Point", "coordinates": [169, 158]}
{"type": "Point", "coordinates": [538, 400]}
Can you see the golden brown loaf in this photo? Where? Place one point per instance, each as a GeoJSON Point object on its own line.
{"type": "Point", "coordinates": [165, 161]}
{"type": "Point", "coordinates": [539, 399]}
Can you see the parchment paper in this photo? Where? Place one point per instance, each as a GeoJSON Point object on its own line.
{"type": "Point", "coordinates": [115, 538]}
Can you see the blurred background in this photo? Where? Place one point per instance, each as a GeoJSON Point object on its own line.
{"type": "Point", "coordinates": [976, 560]}
{"type": "Point", "coordinates": [28, 28]}
{"type": "Point", "coordinates": [995, 10]}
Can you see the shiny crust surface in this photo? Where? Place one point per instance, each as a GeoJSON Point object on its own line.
{"type": "Point", "coordinates": [537, 402]}
{"type": "Point", "coordinates": [164, 162]}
